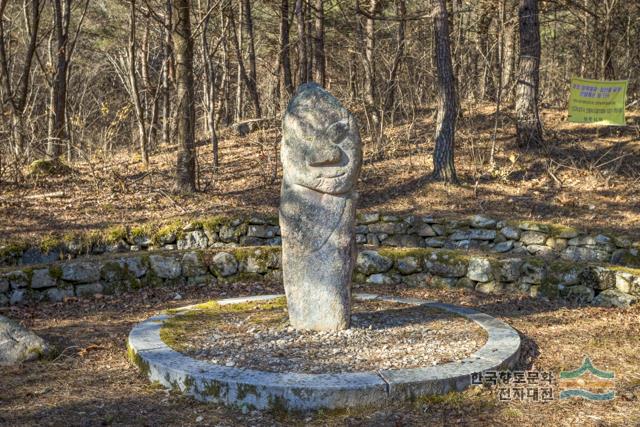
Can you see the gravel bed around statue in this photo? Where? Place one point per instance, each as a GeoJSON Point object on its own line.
{"type": "Point", "coordinates": [383, 335]}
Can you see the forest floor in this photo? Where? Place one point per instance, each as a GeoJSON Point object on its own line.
{"type": "Point", "coordinates": [586, 176]}
{"type": "Point", "coordinates": [91, 382]}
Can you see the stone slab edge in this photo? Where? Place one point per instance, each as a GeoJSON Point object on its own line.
{"type": "Point", "coordinates": [296, 391]}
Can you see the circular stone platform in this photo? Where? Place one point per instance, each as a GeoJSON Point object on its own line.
{"type": "Point", "coordinates": [258, 335]}
{"type": "Point", "coordinates": [271, 387]}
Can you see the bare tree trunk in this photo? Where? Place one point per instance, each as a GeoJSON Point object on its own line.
{"type": "Point", "coordinates": [252, 83]}
{"type": "Point", "coordinates": [370, 98]}
{"type": "Point", "coordinates": [528, 125]}
{"type": "Point", "coordinates": [309, 39]}
{"type": "Point", "coordinates": [166, 71]}
{"type": "Point", "coordinates": [352, 84]}
{"type": "Point", "coordinates": [274, 89]}
{"type": "Point", "coordinates": [17, 128]}
{"type": "Point", "coordinates": [56, 139]}
{"type": "Point", "coordinates": [135, 91]}
{"type": "Point", "coordinates": [253, 90]}
{"type": "Point", "coordinates": [59, 131]}
{"type": "Point", "coordinates": [458, 43]}
{"type": "Point", "coordinates": [585, 36]}
{"type": "Point", "coordinates": [183, 43]}
{"type": "Point", "coordinates": [500, 80]}
{"type": "Point", "coordinates": [390, 99]}
{"type": "Point", "coordinates": [302, 42]}
{"type": "Point", "coordinates": [16, 97]}
{"type": "Point", "coordinates": [508, 57]}
{"type": "Point", "coordinates": [285, 62]}
{"type": "Point", "coordinates": [607, 70]}
{"type": "Point", "coordinates": [210, 87]}
{"type": "Point", "coordinates": [482, 51]}
{"type": "Point", "coordinates": [238, 42]}
{"type": "Point", "coordinates": [224, 110]}
{"type": "Point", "coordinates": [151, 99]}
{"type": "Point", "coordinates": [320, 60]}
{"type": "Point", "coordinates": [443, 155]}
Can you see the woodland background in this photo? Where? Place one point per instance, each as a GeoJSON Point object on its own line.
{"type": "Point", "coordinates": [122, 107]}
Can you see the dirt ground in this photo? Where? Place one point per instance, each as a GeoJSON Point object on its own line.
{"type": "Point", "coordinates": [587, 176]}
{"type": "Point", "coordinates": [90, 382]}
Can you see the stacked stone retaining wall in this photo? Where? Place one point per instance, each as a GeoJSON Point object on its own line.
{"type": "Point", "coordinates": [478, 232]}
{"type": "Point", "coordinates": [589, 283]}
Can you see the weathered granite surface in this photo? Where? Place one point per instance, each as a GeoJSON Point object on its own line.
{"type": "Point", "coordinates": [253, 389]}
{"type": "Point", "coordinates": [321, 160]}
{"type": "Point", "coordinates": [18, 344]}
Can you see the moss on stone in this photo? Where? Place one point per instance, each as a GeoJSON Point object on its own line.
{"type": "Point", "coordinates": [552, 229]}
{"type": "Point", "coordinates": [557, 230]}
{"type": "Point", "coordinates": [536, 262]}
{"type": "Point", "coordinates": [135, 358]}
{"type": "Point", "coordinates": [189, 383]}
{"type": "Point", "coordinates": [549, 289]}
{"type": "Point", "coordinates": [49, 243]}
{"type": "Point", "coordinates": [241, 254]}
{"type": "Point", "coordinates": [242, 277]}
{"type": "Point", "coordinates": [532, 225]}
{"type": "Point", "coordinates": [452, 258]}
{"type": "Point", "coordinates": [115, 234]}
{"type": "Point", "coordinates": [134, 283]}
{"type": "Point", "coordinates": [84, 240]}
{"type": "Point", "coordinates": [155, 385]}
{"type": "Point", "coordinates": [248, 306]}
{"type": "Point", "coordinates": [49, 168]}
{"type": "Point", "coordinates": [213, 389]}
{"type": "Point", "coordinates": [113, 268]}
{"type": "Point", "coordinates": [624, 269]}
{"type": "Point", "coordinates": [630, 260]}
{"type": "Point", "coordinates": [241, 230]}
{"type": "Point", "coordinates": [214, 223]}
{"type": "Point", "coordinates": [143, 230]}
{"type": "Point", "coordinates": [151, 279]}
{"type": "Point", "coordinates": [359, 277]}
{"type": "Point", "coordinates": [277, 407]}
{"type": "Point", "coordinates": [71, 238]}
{"type": "Point", "coordinates": [13, 248]}
{"type": "Point", "coordinates": [28, 271]}
{"type": "Point", "coordinates": [93, 237]}
{"type": "Point", "coordinates": [245, 390]}
{"type": "Point", "coordinates": [209, 305]}
{"type": "Point", "coordinates": [559, 266]}
{"type": "Point", "coordinates": [55, 271]}
{"type": "Point", "coordinates": [175, 227]}
{"type": "Point", "coordinates": [176, 330]}
{"type": "Point", "coordinates": [123, 279]}
{"type": "Point", "coordinates": [272, 219]}
{"type": "Point", "coordinates": [397, 253]}
{"type": "Point", "coordinates": [173, 384]}
{"type": "Point", "coordinates": [496, 267]}
{"type": "Point", "coordinates": [261, 254]}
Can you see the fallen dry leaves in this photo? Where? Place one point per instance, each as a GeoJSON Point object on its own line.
{"type": "Point", "coordinates": [102, 388]}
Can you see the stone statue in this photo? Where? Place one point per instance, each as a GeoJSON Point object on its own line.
{"type": "Point", "coordinates": [321, 159]}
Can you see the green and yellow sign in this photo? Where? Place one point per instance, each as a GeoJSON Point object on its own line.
{"type": "Point", "coordinates": [597, 101]}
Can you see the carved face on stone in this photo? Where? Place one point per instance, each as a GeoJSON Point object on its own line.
{"type": "Point", "coordinates": [321, 147]}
